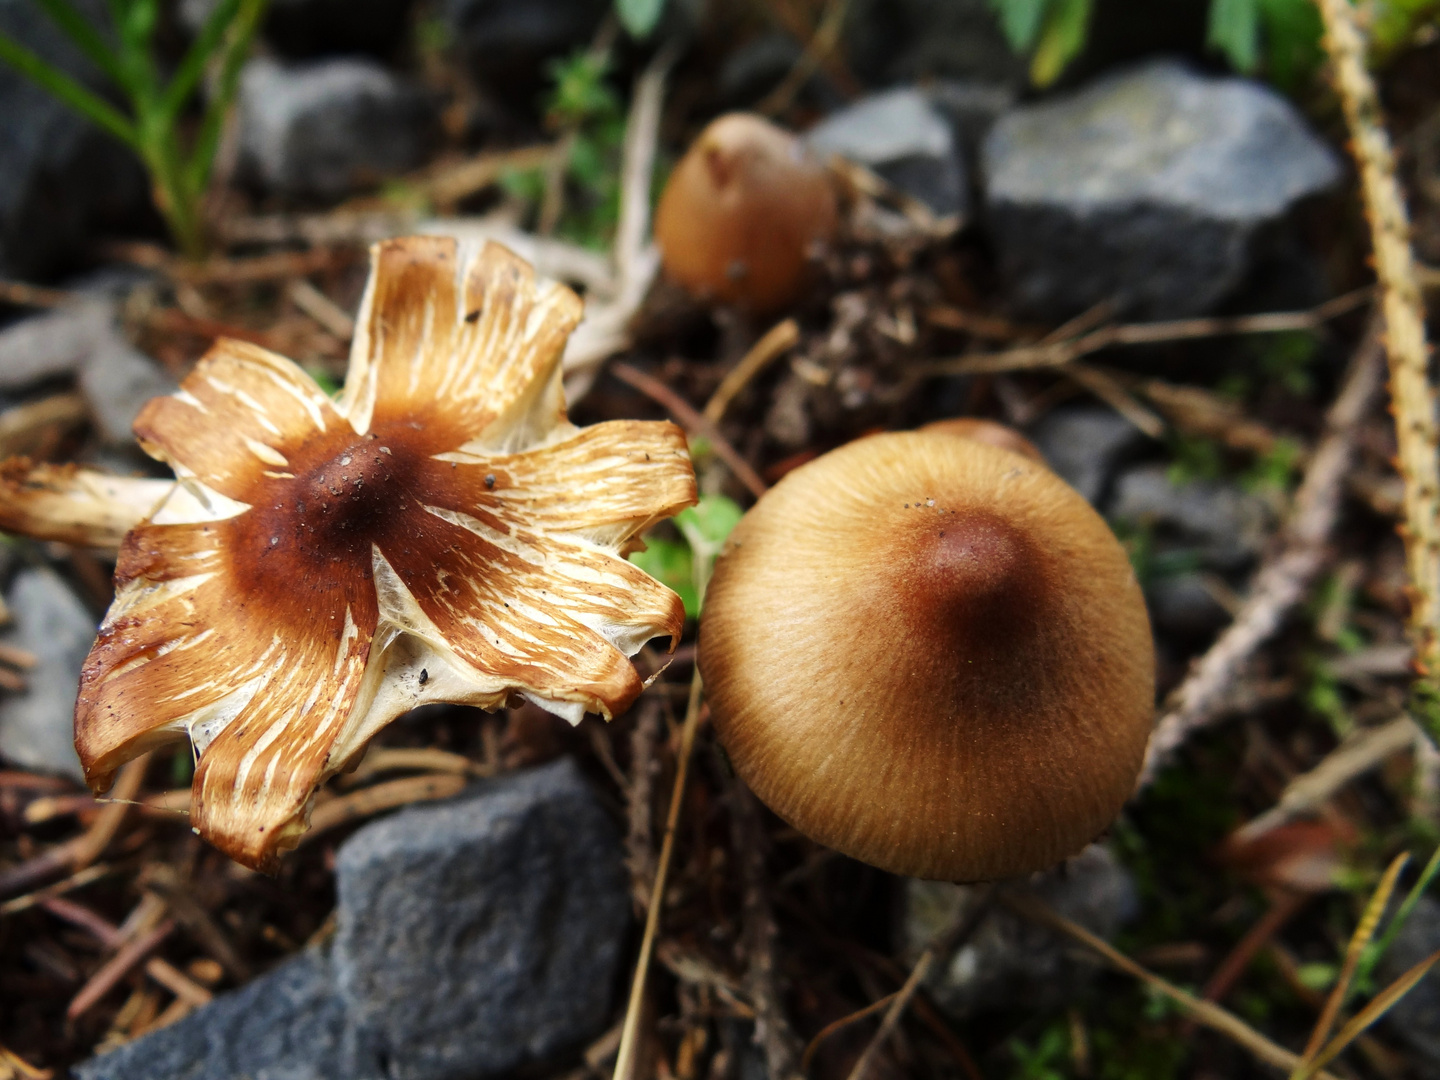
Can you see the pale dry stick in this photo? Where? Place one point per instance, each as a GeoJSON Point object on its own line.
{"type": "Point", "coordinates": [1205, 1013]}
{"type": "Point", "coordinates": [1056, 353]}
{"type": "Point", "coordinates": [1283, 579]}
{"type": "Point", "coordinates": [943, 944]}
{"type": "Point", "coordinates": [330, 315]}
{"type": "Point", "coordinates": [113, 970]}
{"type": "Point", "coordinates": [773, 1032]}
{"type": "Point", "coordinates": [449, 183]}
{"type": "Point", "coordinates": [1109, 390]}
{"type": "Point", "coordinates": [1412, 397]}
{"type": "Point", "coordinates": [630, 1033]}
{"type": "Point", "coordinates": [19, 1068]}
{"type": "Point", "coordinates": [22, 294]}
{"type": "Point", "coordinates": [821, 45]}
{"type": "Point", "coordinates": [1369, 749]}
{"type": "Point", "coordinates": [388, 796]}
{"type": "Point", "coordinates": [69, 884]}
{"type": "Point", "coordinates": [775, 343]}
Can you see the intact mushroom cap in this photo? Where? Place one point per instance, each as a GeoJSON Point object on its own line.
{"type": "Point", "coordinates": [932, 655]}
{"type": "Point", "coordinates": [742, 212]}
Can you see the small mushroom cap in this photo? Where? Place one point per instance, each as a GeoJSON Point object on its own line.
{"type": "Point", "coordinates": [742, 213]}
{"type": "Point", "coordinates": [987, 431]}
{"type": "Point", "coordinates": [932, 655]}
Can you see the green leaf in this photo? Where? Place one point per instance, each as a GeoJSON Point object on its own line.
{"type": "Point", "coordinates": [1020, 20]}
{"type": "Point", "coordinates": [83, 101]}
{"type": "Point", "coordinates": [1293, 32]}
{"type": "Point", "coordinates": [709, 522]}
{"type": "Point", "coordinates": [202, 49]}
{"type": "Point", "coordinates": [1235, 30]}
{"type": "Point", "coordinates": [202, 154]}
{"type": "Point", "coordinates": [639, 16]}
{"type": "Point", "coordinates": [669, 562]}
{"type": "Point", "coordinates": [1061, 40]}
{"type": "Point", "coordinates": [89, 40]}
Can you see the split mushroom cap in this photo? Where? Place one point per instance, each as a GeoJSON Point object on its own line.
{"type": "Point", "coordinates": [440, 533]}
{"type": "Point", "coordinates": [742, 214]}
{"type": "Point", "coordinates": [932, 655]}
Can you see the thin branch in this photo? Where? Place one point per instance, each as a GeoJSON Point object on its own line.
{"type": "Point", "coordinates": [1282, 580]}
{"type": "Point", "coordinates": [1412, 396]}
{"type": "Point", "coordinates": [776, 341]}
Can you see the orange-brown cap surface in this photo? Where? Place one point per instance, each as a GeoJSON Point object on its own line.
{"type": "Point", "coordinates": [742, 213]}
{"type": "Point", "coordinates": [932, 655]}
{"type": "Point", "coordinates": [987, 431]}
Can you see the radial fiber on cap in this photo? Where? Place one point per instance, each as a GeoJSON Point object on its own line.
{"type": "Point", "coordinates": [931, 654]}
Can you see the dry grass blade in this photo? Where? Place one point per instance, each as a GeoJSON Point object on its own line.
{"type": "Point", "coordinates": [388, 796]}
{"type": "Point", "coordinates": [60, 888]}
{"type": "Point", "coordinates": [14, 1067]}
{"type": "Point", "coordinates": [840, 1025]}
{"type": "Point", "coordinates": [415, 759]}
{"type": "Point", "coordinates": [775, 343]}
{"type": "Point", "coordinates": [1412, 395]}
{"type": "Point", "coordinates": [1377, 1008]}
{"type": "Point", "coordinates": [625, 1058]}
{"type": "Point", "coordinates": [1369, 922]}
{"type": "Point", "coordinates": [115, 969]}
{"type": "Point", "coordinates": [1205, 1013]}
{"type": "Point", "coordinates": [1109, 390]}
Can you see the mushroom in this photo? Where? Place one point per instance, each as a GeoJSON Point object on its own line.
{"type": "Point", "coordinates": [440, 533]}
{"type": "Point", "coordinates": [743, 213]}
{"type": "Point", "coordinates": [931, 654]}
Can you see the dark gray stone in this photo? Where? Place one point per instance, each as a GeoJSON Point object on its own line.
{"type": "Point", "coordinates": [1415, 1019]}
{"type": "Point", "coordinates": [37, 724]}
{"type": "Point", "coordinates": [901, 136]}
{"type": "Point", "coordinates": [61, 178]}
{"type": "Point", "coordinates": [1085, 445]}
{"type": "Point", "coordinates": [329, 128]}
{"type": "Point", "coordinates": [484, 934]}
{"type": "Point", "coordinates": [117, 380]}
{"type": "Point", "coordinates": [53, 345]}
{"type": "Point", "coordinates": [1223, 526]}
{"type": "Point", "coordinates": [894, 41]}
{"type": "Point", "coordinates": [287, 1025]}
{"type": "Point", "coordinates": [1149, 188]}
{"type": "Point", "coordinates": [473, 937]}
{"type": "Point", "coordinates": [1010, 962]}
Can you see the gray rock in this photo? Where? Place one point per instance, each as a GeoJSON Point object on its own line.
{"type": "Point", "coordinates": [1085, 445]}
{"type": "Point", "coordinates": [901, 136]}
{"type": "Point", "coordinates": [473, 937]}
{"type": "Point", "coordinates": [1224, 526]}
{"type": "Point", "coordinates": [60, 177]}
{"type": "Point", "coordinates": [1149, 188]}
{"type": "Point", "coordinates": [117, 380]}
{"type": "Point", "coordinates": [37, 724]}
{"type": "Point", "coordinates": [1009, 962]}
{"type": "Point", "coordinates": [482, 935]}
{"type": "Point", "coordinates": [1415, 1019]}
{"type": "Point", "coordinates": [287, 1025]}
{"type": "Point", "coordinates": [329, 128]}
{"type": "Point", "coordinates": [52, 345]}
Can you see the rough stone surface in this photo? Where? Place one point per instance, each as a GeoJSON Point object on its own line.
{"type": "Point", "coordinates": [1009, 962]}
{"type": "Point", "coordinates": [1150, 188]}
{"type": "Point", "coordinates": [287, 1025]}
{"type": "Point", "coordinates": [37, 724]}
{"type": "Point", "coordinates": [1415, 1019]}
{"type": "Point", "coordinates": [482, 935]}
{"type": "Point", "coordinates": [1085, 445]}
{"type": "Point", "coordinates": [60, 177]}
{"type": "Point", "coordinates": [328, 128]}
{"type": "Point", "coordinates": [1225, 527]}
{"type": "Point", "coordinates": [901, 136]}
{"type": "Point", "coordinates": [117, 380]}
{"type": "Point", "coordinates": [53, 345]}
{"type": "Point", "coordinates": [474, 937]}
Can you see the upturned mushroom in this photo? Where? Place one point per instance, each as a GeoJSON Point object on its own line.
{"type": "Point", "coordinates": [743, 213]}
{"type": "Point", "coordinates": [931, 654]}
{"type": "Point", "coordinates": [440, 533]}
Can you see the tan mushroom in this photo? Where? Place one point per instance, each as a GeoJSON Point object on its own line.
{"type": "Point", "coordinates": [931, 654]}
{"type": "Point", "coordinates": [439, 533]}
{"type": "Point", "coordinates": [987, 431]}
{"type": "Point", "coordinates": [743, 213]}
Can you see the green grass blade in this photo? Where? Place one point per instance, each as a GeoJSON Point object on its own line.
{"type": "Point", "coordinates": [1397, 922]}
{"type": "Point", "coordinates": [88, 39]}
{"type": "Point", "coordinates": [204, 47]}
{"type": "Point", "coordinates": [242, 32]}
{"type": "Point", "coordinates": [1366, 1016]}
{"type": "Point", "coordinates": [88, 104]}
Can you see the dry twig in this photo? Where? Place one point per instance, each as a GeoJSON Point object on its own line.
{"type": "Point", "coordinates": [772, 345]}
{"type": "Point", "coordinates": [1412, 397]}
{"type": "Point", "coordinates": [1282, 580]}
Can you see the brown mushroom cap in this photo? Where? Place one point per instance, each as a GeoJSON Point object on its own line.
{"type": "Point", "coordinates": [742, 212]}
{"type": "Point", "coordinates": [932, 655]}
{"type": "Point", "coordinates": [987, 431]}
